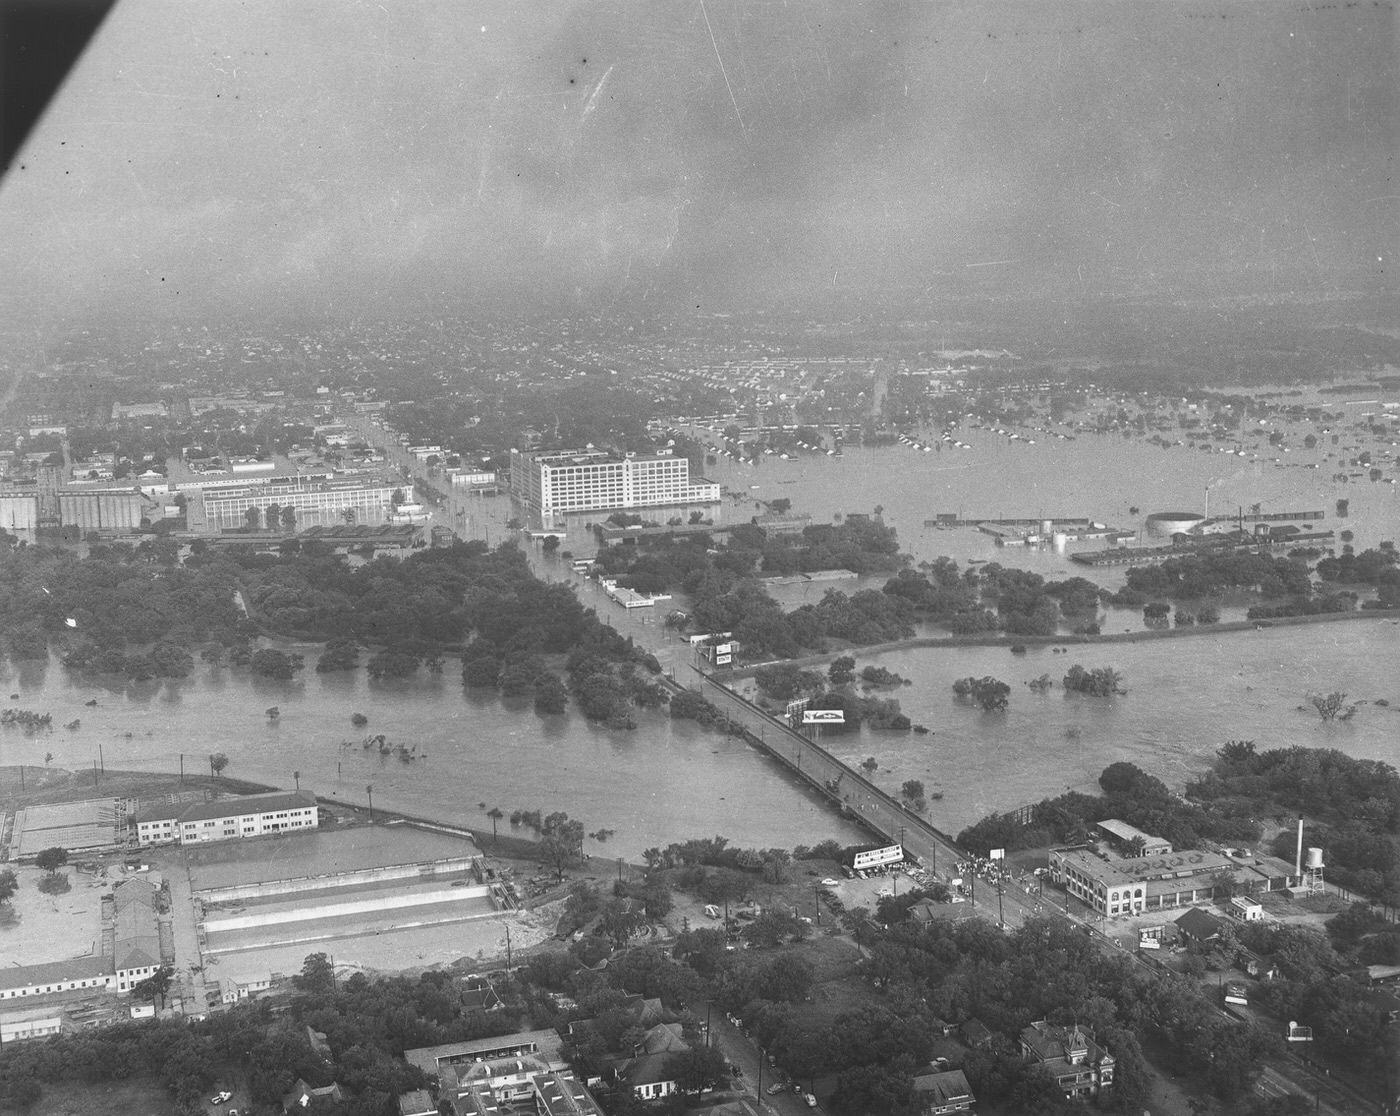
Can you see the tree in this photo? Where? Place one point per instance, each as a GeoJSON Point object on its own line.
{"type": "Point", "coordinates": [561, 841]}
{"type": "Point", "coordinates": [697, 1069]}
{"type": "Point", "coordinates": [1328, 705]}
{"type": "Point", "coordinates": [253, 518]}
{"type": "Point", "coordinates": [271, 663]}
{"type": "Point", "coordinates": [551, 544]}
{"type": "Point", "coordinates": [217, 762]}
{"type": "Point", "coordinates": [990, 693]}
{"type": "Point", "coordinates": [9, 884]}
{"type": "Point", "coordinates": [51, 859]}
{"type": "Point", "coordinates": [495, 814]}
{"type": "Point", "coordinates": [621, 918]}
{"type": "Point", "coordinates": [155, 985]}
{"type": "Point", "coordinates": [842, 671]}
{"type": "Point", "coordinates": [289, 518]}
{"type": "Point", "coordinates": [317, 975]}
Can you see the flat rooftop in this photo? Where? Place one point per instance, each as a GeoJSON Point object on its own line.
{"type": "Point", "coordinates": [91, 824]}
{"type": "Point", "coordinates": [318, 852]}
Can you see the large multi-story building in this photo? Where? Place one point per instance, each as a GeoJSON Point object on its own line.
{"type": "Point", "coordinates": [553, 484]}
{"type": "Point", "coordinates": [216, 509]}
{"type": "Point", "coordinates": [1116, 885]}
{"type": "Point", "coordinates": [226, 819]}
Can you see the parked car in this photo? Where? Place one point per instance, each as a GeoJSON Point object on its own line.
{"type": "Point", "coordinates": [220, 1098]}
{"type": "Point", "coordinates": [810, 1099]}
{"type": "Point", "coordinates": [776, 1087]}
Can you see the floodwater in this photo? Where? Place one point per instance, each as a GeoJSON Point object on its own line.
{"type": "Point", "coordinates": [668, 781]}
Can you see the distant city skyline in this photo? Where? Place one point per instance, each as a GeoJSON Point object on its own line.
{"type": "Point", "coordinates": [213, 162]}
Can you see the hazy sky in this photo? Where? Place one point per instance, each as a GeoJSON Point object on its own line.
{"type": "Point", "coordinates": [234, 157]}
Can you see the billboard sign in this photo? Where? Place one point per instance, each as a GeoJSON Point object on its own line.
{"type": "Point", "coordinates": [823, 716]}
{"type": "Point", "coordinates": [997, 854]}
{"type": "Point", "coordinates": [876, 858]}
{"type": "Point", "coordinates": [723, 660]}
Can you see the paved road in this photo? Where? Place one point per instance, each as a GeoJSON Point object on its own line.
{"type": "Point", "coordinates": [744, 1053]}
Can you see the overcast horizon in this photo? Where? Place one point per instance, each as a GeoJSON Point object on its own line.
{"type": "Point", "coordinates": [212, 160]}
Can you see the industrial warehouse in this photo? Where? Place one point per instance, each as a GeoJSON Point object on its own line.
{"type": "Point", "coordinates": [1130, 881]}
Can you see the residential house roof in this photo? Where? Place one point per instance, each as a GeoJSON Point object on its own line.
{"type": "Point", "coordinates": [303, 1094]}
{"type": "Point", "coordinates": [975, 1032]}
{"type": "Point", "coordinates": [561, 1094]}
{"type": "Point", "coordinates": [647, 1064]}
{"type": "Point", "coordinates": [947, 1088]}
{"type": "Point", "coordinates": [1199, 924]}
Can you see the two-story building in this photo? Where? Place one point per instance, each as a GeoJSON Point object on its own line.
{"type": "Point", "coordinates": [1079, 1065]}
{"type": "Point", "coordinates": [227, 819]}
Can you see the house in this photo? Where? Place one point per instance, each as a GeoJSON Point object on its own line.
{"type": "Point", "coordinates": [646, 1070]}
{"type": "Point", "coordinates": [240, 988]}
{"type": "Point", "coordinates": [976, 1034]}
{"type": "Point", "coordinates": [1257, 965]}
{"type": "Point", "coordinates": [1199, 926]}
{"type": "Point", "coordinates": [939, 1093]}
{"type": "Point", "coordinates": [303, 1096]}
{"type": "Point", "coordinates": [1079, 1065]}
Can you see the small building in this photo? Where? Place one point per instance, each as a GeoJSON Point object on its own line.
{"type": "Point", "coordinates": [1244, 909]}
{"type": "Point", "coordinates": [234, 989]}
{"type": "Point", "coordinates": [303, 1096]}
{"type": "Point", "coordinates": [17, 1030]}
{"type": "Point", "coordinates": [419, 1102]}
{"type": "Point", "coordinates": [1133, 842]}
{"type": "Point", "coordinates": [940, 1093]}
{"type": "Point", "coordinates": [1199, 926]}
{"type": "Point", "coordinates": [976, 1034]}
{"type": "Point", "coordinates": [1079, 1065]}
{"type": "Point", "coordinates": [1257, 966]}
{"type": "Point", "coordinates": [646, 1071]}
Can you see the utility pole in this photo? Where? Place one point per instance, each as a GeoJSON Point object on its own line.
{"type": "Point", "coordinates": [101, 762]}
{"type": "Point", "coordinates": [182, 768]}
{"type": "Point", "coordinates": [507, 948]}
{"type": "Point", "coordinates": [369, 790]}
{"type": "Point", "coordinates": [817, 901]}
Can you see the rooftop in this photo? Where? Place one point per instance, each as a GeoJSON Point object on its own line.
{"type": "Point", "coordinates": [319, 852]}
{"type": "Point", "coordinates": [234, 807]}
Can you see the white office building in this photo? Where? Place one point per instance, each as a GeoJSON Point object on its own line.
{"type": "Point", "coordinates": [226, 819]}
{"type": "Point", "coordinates": [553, 484]}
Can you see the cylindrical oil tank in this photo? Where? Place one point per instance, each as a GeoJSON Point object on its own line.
{"type": "Point", "coordinates": [1314, 858]}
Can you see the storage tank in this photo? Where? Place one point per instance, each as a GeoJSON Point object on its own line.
{"type": "Point", "coordinates": [1046, 526]}
{"type": "Point", "coordinates": [1060, 540]}
{"type": "Point", "coordinates": [1170, 523]}
{"type": "Point", "coordinates": [1314, 858]}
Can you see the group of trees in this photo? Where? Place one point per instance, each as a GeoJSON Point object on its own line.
{"type": "Point", "coordinates": [1352, 806]}
{"type": "Point", "coordinates": [1129, 793]}
{"type": "Point", "coordinates": [116, 611]}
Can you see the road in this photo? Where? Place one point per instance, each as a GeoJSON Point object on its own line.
{"type": "Point", "coordinates": [758, 1075]}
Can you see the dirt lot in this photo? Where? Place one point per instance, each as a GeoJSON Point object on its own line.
{"type": "Point", "coordinates": [41, 927]}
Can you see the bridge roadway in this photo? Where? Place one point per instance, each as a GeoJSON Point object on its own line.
{"type": "Point", "coordinates": [865, 801]}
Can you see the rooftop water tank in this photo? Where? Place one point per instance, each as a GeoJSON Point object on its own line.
{"type": "Point", "coordinates": [1314, 858]}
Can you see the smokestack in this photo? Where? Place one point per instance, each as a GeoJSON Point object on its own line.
{"type": "Point", "coordinates": [1298, 867]}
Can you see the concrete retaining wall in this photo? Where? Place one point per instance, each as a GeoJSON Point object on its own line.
{"type": "Point", "coordinates": [388, 901]}
{"type": "Point", "coordinates": [302, 884]}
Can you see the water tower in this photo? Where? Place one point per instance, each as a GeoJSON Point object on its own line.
{"type": "Point", "coordinates": [1312, 872]}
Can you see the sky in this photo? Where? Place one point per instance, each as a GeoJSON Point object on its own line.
{"type": "Point", "coordinates": [240, 158]}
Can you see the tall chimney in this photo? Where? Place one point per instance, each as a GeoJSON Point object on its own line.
{"type": "Point", "coordinates": [1298, 867]}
